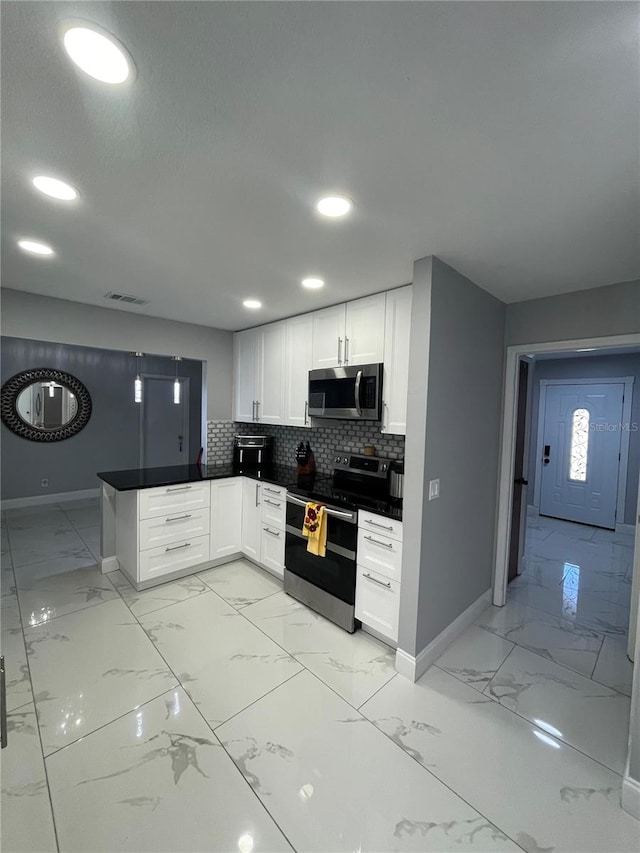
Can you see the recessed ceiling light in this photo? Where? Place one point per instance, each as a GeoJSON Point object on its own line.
{"type": "Point", "coordinates": [55, 188]}
{"type": "Point", "coordinates": [97, 53]}
{"type": "Point", "coordinates": [252, 303]}
{"type": "Point", "coordinates": [587, 349]}
{"type": "Point", "coordinates": [312, 283]}
{"type": "Point", "coordinates": [334, 205]}
{"type": "Point", "coordinates": [35, 247]}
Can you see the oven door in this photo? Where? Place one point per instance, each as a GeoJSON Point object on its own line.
{"type": "Point", "coordinates": [346, 392]}
{"type": "Point", "coordinates": [334, 573]}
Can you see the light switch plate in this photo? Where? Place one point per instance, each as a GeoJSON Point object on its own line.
{"type": "Point", "coordinates": [434, 489]}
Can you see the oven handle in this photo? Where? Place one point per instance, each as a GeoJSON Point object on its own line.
{"type": "Point", "coordinates": [357, 393]}
{"type": "Point", "coordinates": [335, 513]}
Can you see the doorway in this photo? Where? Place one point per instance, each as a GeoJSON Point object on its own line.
{"type": "Point", "coordinates": [164, 423]}
{"type": "Point", "coordinates": [582, 450]}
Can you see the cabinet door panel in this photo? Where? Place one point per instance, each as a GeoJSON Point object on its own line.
{"type": "Point", "coordinates": [245, 354]}
{"type": "Point", "coordinates": [298, 363]}
{"type": "Point", "coordinates": [378, 603]}
{"type": "Point", "coordinates": [162, 530]}
{"type": "Point", "coordinates": [364, 343]}
{"type": "Point", "coordinates": [328, 337]}
{"type": "Point", "coordinates": [270, 391]}
{"type": "Point", "coordinates": [167, 559]}
{"type": "Point", "coordinates": [251, 507]}
{"type": "Point", "coordinates": [174, 500]}
{"type": "Point", "coordinates": [272, 548]}
{"type": "Point", "coordinates": [226, 517]}
{"type": "Point", "coordinates": [396, 361]}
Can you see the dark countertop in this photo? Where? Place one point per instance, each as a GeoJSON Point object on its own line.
{"type": "Point", "coordinates": [315, 487]}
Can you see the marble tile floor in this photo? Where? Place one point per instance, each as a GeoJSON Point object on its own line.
{"type": "Point", "coordinates": [215, 713]}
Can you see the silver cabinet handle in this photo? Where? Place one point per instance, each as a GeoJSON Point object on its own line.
{"type": "Point", "coordinates": [257, 410]}
{"type": "Point", "coordinates": [375, 524]}
{"type": "Point", "coordinates": [178, 517]}
{"type": "Point", "coordinates": [375, 580]}
{"type": "Point", "coordinates": [339, 350]}
{"type": "Point", "coordinates": [272, 491]}
{"type": "Point", "coordinates": [3, 705]}
{"type": "Point", "coordinates": [346, 350]}
{"type": "Point", "coordinates": [177, 547]}
{"type": "Point", "coordinates": [272, 532]}
{"type": "Point", "coordinates": [306, 412]}
{"type": "Point", "coordinates": [378, 542]}
{"type": "Point", "coordinates": [179, 489]}
{"type": "Point", "coordinates": [273, 503]}
{"type": "Point", "coordinates": [257, 494]}
{"type": "Point", "coordinates": [253, 410]}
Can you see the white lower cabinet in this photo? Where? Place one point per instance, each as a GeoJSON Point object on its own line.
{"type": "Point", "coordinates": [379, 574]}
{"type": "Point", "coordinates": [272, 549]}
{"type": "Point", "coordinates": [226, 517]}
{"type": "Point", "coordinates": [172, 558]}
{"type": "Point", "coordinates": [251, 498]}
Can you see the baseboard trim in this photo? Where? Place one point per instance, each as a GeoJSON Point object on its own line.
{"type": "Point", "coordinates": [61, 497]}
{"type": "Point", "coordinates": [414, 667]}
{"type": "Point", "coordinates": [626, 528]}
{"type": "Point", "coordinates": [631, 796]}
{"type": "Point", "coordinates": [109, 564]}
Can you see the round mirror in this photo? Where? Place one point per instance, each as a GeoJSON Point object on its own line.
{"type": "Point", "coordinates": [45, 405]}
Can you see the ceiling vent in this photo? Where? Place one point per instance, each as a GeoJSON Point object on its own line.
{"type": "Point", "coordinates": [125, 298]}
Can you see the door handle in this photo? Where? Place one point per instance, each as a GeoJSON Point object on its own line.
{"type": "Point", "coordinates": [177, 547]}
{"type": "Point", "coordinates": [3, 705]}
{"type": "Point", "coordinates": [306, 412]}
{"type": "Point", "coordinates": [357, 392]}
{"type": "Point", "coordinates": [378, 542]}
{"type": "Point", "coordinates": [346, 350]}
{"type": "Point", "coordinates": [521, 482]}
{"type": "Point", "coordinates": [257, 493]}
{"type": "Point", "coordinates": [375, 580]}
{"type": "Point", "coordinates": [180, 438]}
{"type": "Point", "coordinates": [339, 350]}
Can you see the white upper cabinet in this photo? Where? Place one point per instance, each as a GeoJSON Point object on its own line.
{"type": "Point", "coordinates": [352, 333]}
{"type": "Point", "coordinates": [364, 330]}
{"type": "Point", "coordinates": [297, 364]}
{"type": "Point", "coordinates": [328, 336]}
{"type": "Point", "coordinates": [395, 382]}
{"type": "Point", "coordinates": [270, 388]}
{"type": "Point", "coordinates": [245, 371]}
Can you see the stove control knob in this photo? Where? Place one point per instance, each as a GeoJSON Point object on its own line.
{"type": "Point", "coordinates": [384, 466]}
{"type": "Point", "coordinates": [345, 459]}
{"type": "Point", "coordinates": [338, 459]}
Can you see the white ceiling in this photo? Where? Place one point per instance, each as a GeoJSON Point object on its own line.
{"type": "Point", "coordinates": [502, 137]}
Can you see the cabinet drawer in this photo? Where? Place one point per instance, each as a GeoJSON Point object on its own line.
{"type": "Point", "coordinates": [378, 603]}
{"type": "Point", "coordinates": [380, 524]}
{"type": "Point", "coordinates": [274, 507]}
{"type": "Point", "coordinates": [165, 530]}
{"type": "Point", "coordinates": [171, 558]}
{"type": "Point", "coordinates": [174, 500]}
{"type": "Point", "coordinates": [272, 548]}
{"type": "Point", "coordinates": [278, 493]}
{"type": "Point", "coordinates": [380, 553]}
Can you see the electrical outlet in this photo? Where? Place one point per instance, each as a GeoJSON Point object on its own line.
{"type": "Point", "coordinates": [434, 489]}
{"type": "Point", "coordinates": [44, 483]}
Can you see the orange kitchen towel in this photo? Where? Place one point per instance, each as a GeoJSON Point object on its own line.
{"type": "Point", "coordinates": [315, 528]}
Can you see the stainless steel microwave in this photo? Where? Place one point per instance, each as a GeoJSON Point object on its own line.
{"type": "Point", "coordinates": [353, 392]}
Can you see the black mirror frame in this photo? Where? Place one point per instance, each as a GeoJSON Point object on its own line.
{"type": "Point", "coordinates": [13, 387]}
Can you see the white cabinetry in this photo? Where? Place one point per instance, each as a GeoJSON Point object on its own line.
{"type": "Point", "coordinates": [395, 383]}
{"type": "Point", "coordinates": [352, 333]}
{"type": "Point", "coordinates": [251, 499]}
{"type": "Point", "coordinates": [226, 518]}
{"type": "Point", "coordinates": [379, 574]}
{"type": "Point", "coordinates": [297, 364]}
{"type": "Point", "coordinates": [162, 531]}
{"type": "Point", "coordinates": [258, 358]}
{"type": "Point", "coordinates": [273, 515]}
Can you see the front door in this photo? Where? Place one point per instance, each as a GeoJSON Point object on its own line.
{"type": "Point", "coordinates": [581, 452]}
{"type": "Point", "coordinates": [518, 507]}
{"type": "Point", "coordinates": [165, 425]}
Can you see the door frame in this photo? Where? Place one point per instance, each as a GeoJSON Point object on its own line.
{"type": "Point", "coordinates": [186, 382]}
{"type": "Point", "coordinates": [623, 462]}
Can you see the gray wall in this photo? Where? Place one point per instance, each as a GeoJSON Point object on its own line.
{"type": "Point", "coordinates": [26, 315]}
{"type": "Point", "coordinates": [111, 439]}
{"type": "Point", "coordinates": [600, 312]}
{"type": "Point", "coordinates": [588, 367]}
{"type": "Point", "coordinates": [457, 345]}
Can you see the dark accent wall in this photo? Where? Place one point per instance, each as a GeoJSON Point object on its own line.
{"type": "Point", "coordinates": [111, 439]}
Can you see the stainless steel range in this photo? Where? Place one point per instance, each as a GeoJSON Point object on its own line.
{"type": "Point", "coordinates": [328, 584]}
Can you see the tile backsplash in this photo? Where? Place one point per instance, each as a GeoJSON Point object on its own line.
{"type": "Point", "coordinates": [325, 439]}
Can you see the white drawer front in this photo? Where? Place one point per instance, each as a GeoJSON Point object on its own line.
{"type": "Point", "coordinates": [274, 508]}
{"type": "Point", "coordinates": [380, 553]}
{"type": "Point", "coordinates": [272, 548]}
{"type": "Point", "coordinates": [378, 603]}
{"type": "Point", "coordinates": [181, 526]}
{"type": "Point", "coordinates": [171, 558]}
{"type": "Point", "coordinates": [380, 524]}
{"type": "Point", "coordinates": [174, 500]}
{"type": "Point", "coordinates": [278, 493]}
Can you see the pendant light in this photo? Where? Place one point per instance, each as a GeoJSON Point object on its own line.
{"type": "Point", "coordinates": [176, 384]}
{"type": "Point", "coordinates": [137, 385]}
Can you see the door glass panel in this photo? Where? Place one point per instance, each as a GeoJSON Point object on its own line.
{"type": "Point", "coordinates": [579, 446]}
